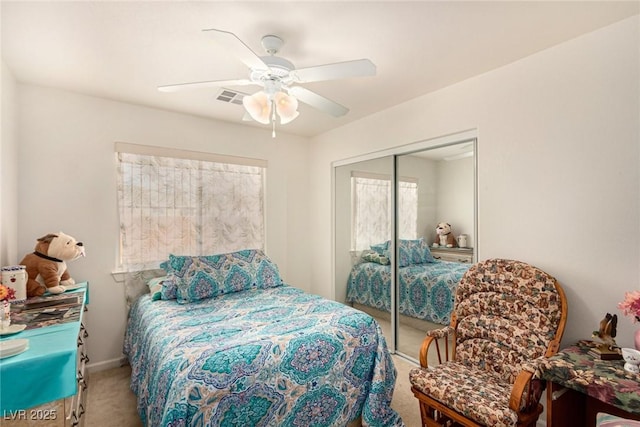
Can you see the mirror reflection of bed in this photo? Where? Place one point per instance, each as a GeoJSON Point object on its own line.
{"type": "Point", "coordinates": [425, 297]}
{"type": "Point", "coordinates": [411, 192]}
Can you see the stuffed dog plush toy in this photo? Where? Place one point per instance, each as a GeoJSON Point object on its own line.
{"type": "Point", "coordinates": [444, 237]}
{"type": "Point", "coordinates": [47, 267]}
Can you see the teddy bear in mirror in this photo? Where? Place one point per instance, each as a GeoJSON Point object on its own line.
{"type": "Point", "coordinates": [444, 236]}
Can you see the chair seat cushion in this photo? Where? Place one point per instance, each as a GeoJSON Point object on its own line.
{"type": "Point", "coordinates": [476, 394]}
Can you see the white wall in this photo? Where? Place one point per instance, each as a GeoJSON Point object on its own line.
{"type": "Point", "coordinates": [67, 182]}
{"type": "Point", "coordinates": [445, 194]}
{"type": "Point", "coordinates": [558, 166]}
{"type": "Point", "coordinates": [455, 197]}
{"type": "Point", "coordinates": [426, 172]}
{"type": "Point", "coordinates": [8, 170]}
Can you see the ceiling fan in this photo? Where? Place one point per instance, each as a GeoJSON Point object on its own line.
{"type": "Point", "coordinates": [279, 79]}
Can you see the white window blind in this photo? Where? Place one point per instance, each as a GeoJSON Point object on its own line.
{"type": "Point", "coordinates": [372, 209]}
{"type": "Point", "coordinates": [408, 209]}
{"type": "Point", "coordinates": [177, 203]}
{"type": "Point", "coordinates": [371, 212]}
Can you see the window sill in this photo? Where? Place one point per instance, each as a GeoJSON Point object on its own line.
{"type": "Point", "coordinates": [118, 276]}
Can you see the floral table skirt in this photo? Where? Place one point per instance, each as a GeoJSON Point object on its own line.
{"type": "Point", "coordinates": [606, 380]}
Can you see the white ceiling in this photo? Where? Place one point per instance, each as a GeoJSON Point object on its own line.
{"type": "Point", "coordinates": [124, 50]}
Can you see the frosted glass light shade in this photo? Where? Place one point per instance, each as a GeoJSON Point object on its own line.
{"type": "Point", "coordinates": [286, 107]}
{"type": "Point", "coordinates": [258, 106]}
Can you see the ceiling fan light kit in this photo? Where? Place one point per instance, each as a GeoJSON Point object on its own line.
{"type": "Point", "coordinates": [279, 79]}
{"type": "Point", "coordinates": [286, 106]}
{"type": "Point", "coordinates": [258, 106]}
{"type": "Point", "coordinates": [263, 105]}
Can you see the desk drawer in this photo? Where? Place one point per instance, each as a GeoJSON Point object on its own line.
{"type": "Point", "coordinates": [454, 255]}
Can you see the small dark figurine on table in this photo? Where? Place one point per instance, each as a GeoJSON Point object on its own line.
{"type": "Point", "coordinates": [608, 349]}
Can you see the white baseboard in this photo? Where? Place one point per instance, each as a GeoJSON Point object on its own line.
{"type": "Point", "coordinates": [107, 364]}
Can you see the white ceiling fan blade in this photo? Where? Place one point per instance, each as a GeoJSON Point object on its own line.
{"type": "Point", "coordinates": [210, 83]}
{"type": "Point", "coordinates": [317, 101]}
{"type": "Point", "coordinates": [340, 70]}
{"type": "Point", "coordinates": [235, 46]}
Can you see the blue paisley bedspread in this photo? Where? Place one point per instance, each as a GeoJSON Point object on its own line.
{"type": "Point", "coordinates": [265, 357]}
{"type": "Point", "coordinates": [427, 290]}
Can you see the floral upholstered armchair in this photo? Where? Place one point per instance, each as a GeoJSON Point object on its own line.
{"type": "Point", "coordinates": [507, 314]}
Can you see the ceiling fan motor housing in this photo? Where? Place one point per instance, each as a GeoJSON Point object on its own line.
{"type": "Point", "coordinates": [279, 68]}
{"type": "Point", "coordinates": [272, 44]}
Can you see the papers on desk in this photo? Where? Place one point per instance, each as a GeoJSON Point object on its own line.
{"type": "Point", "coordinates": [49, 310]}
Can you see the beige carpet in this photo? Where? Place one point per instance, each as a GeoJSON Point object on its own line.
{"type": "Point", "coordinates": [404, 401]}
{"type": "Point", "coordinates": [111, 403]}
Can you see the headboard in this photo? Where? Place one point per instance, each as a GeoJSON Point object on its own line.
{"type": "Point", "coordinates": [135, 284]}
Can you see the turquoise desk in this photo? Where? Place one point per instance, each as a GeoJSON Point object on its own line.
{"type": "Point", "coordinates": [46, 371]}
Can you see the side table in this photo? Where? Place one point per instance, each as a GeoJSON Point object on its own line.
{"type": "Point", "coordinates": [453, 254]}
{"type": "Point", "coordinates": [46, 384]}
{"type": "Point", "coordinates": [579, 385]}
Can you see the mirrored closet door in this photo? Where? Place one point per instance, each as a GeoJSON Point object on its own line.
{"type": "Point", "coordinates": [388, 258]}
{"type": "Point", "coordinates": [364, 218]}
{"type": "Point", "coordinates": [435, 186]}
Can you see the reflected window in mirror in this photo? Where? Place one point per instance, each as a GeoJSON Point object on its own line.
{"type": "Point", "coordinates": [373, 209]}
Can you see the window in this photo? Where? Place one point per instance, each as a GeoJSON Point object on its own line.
{"type": "Point", "coordinates": [371, 209]}
{"type": "Point", "coordinates": [408, 207]}
{"type": "Point", "coordinates": [182, 202]}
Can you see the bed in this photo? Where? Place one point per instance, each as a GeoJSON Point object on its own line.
{"type": "Point", "coordinates": [426, 289]}
{"type": "Point", "coordinates": [221, 340]}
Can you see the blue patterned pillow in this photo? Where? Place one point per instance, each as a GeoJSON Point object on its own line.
{"type": "Point", "coordinates": [381, 247]}
{"type": "Point", "coordinates": [201, 277]}
{"type": "Point", "coordinates": [372, 256]}
{"type": "Point", "coordinates": [413, 252]}
{"type": "Point", "coordinates": [169, 288]}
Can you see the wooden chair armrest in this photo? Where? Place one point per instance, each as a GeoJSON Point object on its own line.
{"type": "Point", "coordinates": [530, 381]}
{"type": "Point", "coordinates": [424, 350]}
{"type": "Point", "coordinates": [520, 386]}
{"type": "Point", "coordinates": [553, 348]}
{"type": "Point", "coordinates": [433, 336]}
{"type": "Point", "coordinates": [440, 332]}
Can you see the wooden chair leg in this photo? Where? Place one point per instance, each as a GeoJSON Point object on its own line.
{"type": "Point", "coordinates": [431, 417]}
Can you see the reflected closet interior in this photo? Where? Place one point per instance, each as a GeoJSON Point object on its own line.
{"type": "Point", "coordinates": [387, 206]}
